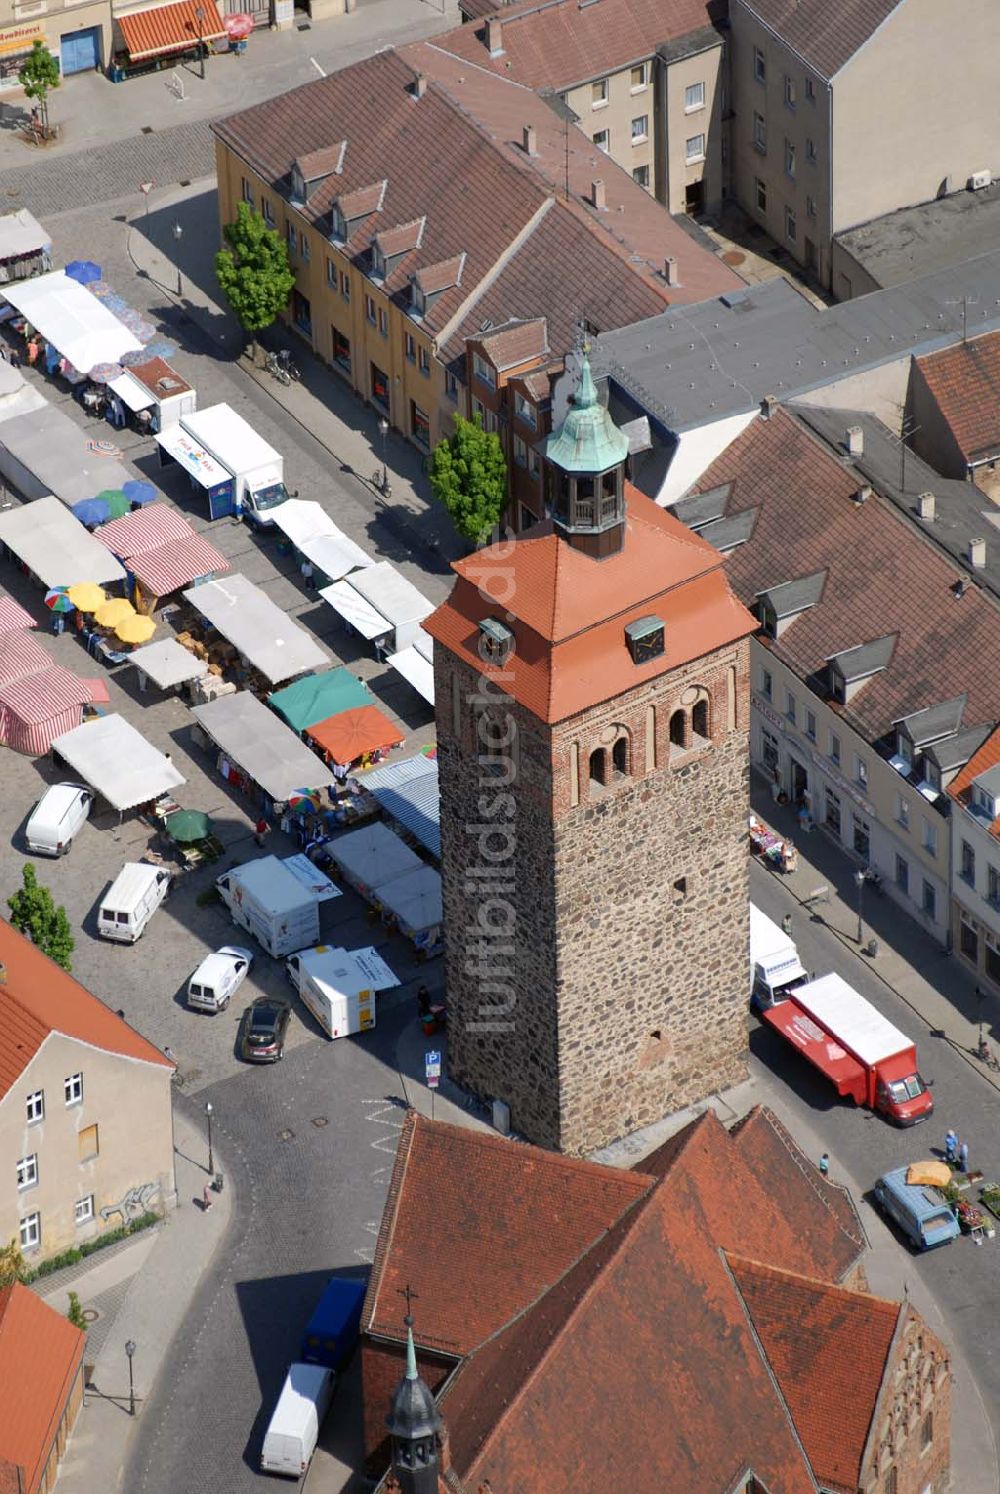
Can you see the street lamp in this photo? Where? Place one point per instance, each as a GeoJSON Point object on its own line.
{"type": "Point", "coordinates": [129, 1351]}
{"type": "Point", "coordinates": [208, 1117]}
{"type": "Point", "coordinates": [859, 882]}
{"type": "Point", "coordinates": [178, 235]}
{"type": "Point", "coordinates": [383, 430]}
{"type": "Point", "coordinates": [200, 18]}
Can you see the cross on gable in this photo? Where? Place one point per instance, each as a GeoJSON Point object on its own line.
{"type": "Point", "coordinates": [411, 1296]}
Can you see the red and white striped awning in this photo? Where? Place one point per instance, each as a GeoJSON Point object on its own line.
{"type": "Point", "coordinates": [37, 709]}
{"type": "Point", "coordinates": [13, 617]}
{"type": "Point", "coordinates": [21, 655]}
{"type": "Point", "coordinates": [145, 529]}
{"type": "Point", "coordinates": [176, 564]}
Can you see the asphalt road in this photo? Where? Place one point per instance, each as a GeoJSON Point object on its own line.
{"type": "Point", "coordinates": [963, 1279]}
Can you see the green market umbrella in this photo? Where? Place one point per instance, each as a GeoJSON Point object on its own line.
{"type": "Point", "coordinates": [188, 825]}
{"type": "Point", "coordinates": [118, 504]}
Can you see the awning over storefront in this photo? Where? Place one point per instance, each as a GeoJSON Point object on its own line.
{"type": "Point", "coordinates": [170, 28]}
{"type": "Point", "coordinates": [823, 1051]}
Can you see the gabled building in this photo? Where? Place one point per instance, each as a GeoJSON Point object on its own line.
{"type": "Point", "coordinates": [955, 407]}
{"type": "Point", "coordinates": [86, 1130]}
{"type": "Point", "coordinates": [41, 1372]}
{"type": "Point", "coordinates": [975, 850]}
{"type": "Point", "coordinates": [698, 1323]}
{"type": "Point", "coordinates": [830, 120]}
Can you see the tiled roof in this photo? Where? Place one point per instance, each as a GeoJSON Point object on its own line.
{"type": "Point", "coordinates": [824, 35]}
{"type": "Point", "coordinates": [38, 998]}
{"type": "Point", "coordinates": [440, 277]}
{"type": "Point", "coordinates": [965, 382]}
{"type": "Point", "coordinates": [40, 1353]}
{"type": "Point", "coordinates": [828, 1349]}
{"type": "Point", "coordinates": [497, 1222]}
{"type": "Point", "coordinates": [881, 572]}
{"type": "Point", "coordinates": [982, 761]}
{"type": "Point", "coordinates": [570, 611]}
{"type": "Point", "coordinates": [517, 343]}
{"type": "Point", "coordinates": [558, 45]}
{"type": "Point", "coordinates": [327, 161]}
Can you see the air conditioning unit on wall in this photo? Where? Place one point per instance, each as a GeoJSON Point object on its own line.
{"type": "Point", "coordinates": [980, 179]}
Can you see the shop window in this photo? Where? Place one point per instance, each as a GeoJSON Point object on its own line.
{"type": "Point", "coordinates": [380, 387]}
{"type": "Point", "coordinates": [770, 754]}
{"type": "Point", "coordinates": [968, 941]}
{"type": "Point", "coordinates": [862, 837]}
{"type": "Point", "coordinates": [832, 816]}
{"type": "Point", "coordinates": [302, 312]}
{"type": "Point", "coordinates": [991, 963]}
{"type": "Point", "coordinates": [420, 425]}
{"type": "Point", "coordinates": [341, 351]}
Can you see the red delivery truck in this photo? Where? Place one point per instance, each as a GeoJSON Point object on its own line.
{"type": "Point", "coordinates": [859, 1050]}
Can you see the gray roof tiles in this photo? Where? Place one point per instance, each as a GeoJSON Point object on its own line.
{"type": "Point", "coordinates": [934, 722]}
{"type": "Point", "coordinates": [864, 659]}
{"type": "Point", "coordinates": [792, 597]}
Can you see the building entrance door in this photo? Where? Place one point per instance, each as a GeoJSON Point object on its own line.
{"type": "Point", "coordinates": [694, 198]}
{"type": "Point", "coordinates": [799, 784]}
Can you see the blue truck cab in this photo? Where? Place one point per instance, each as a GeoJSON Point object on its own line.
{"type": "Point", "coordinates": [332, 1331]}
{"type": "Point", "coordinates": [919, 1211]}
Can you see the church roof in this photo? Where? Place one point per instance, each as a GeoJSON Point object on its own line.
{"type": "Point", "coordinates": [588, 439]}
{"type": "Point", "coordinates": [570, 611]}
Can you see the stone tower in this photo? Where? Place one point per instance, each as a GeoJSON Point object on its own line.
{"type": "Point", "coordinates": [414, 1423]}
{"type": "Point", "coordinates": [591, 680]}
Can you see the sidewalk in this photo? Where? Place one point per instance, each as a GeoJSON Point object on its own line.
{"type": "Point", "coordinates": [158, 1276]}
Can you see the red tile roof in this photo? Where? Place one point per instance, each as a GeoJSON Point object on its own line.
{"type": "Point", "coordinates": [558, 45]}
{"type": "Point", "coordinates": [829, 1350]}
{"type": "Point", "coordinates": [40, 1353]}
{"type": "Point", "coordinates": [38, 998]}
{"type": "Point", "coordinates": [517, 343]}
{"type": "Point", "coordinates": [169, 28]}
{"type": "Point", "coordinates": [570, 611]}
{"type": "Point", "coordinates": [479, 1227]}
{"type": "Point", "coordinates": [987, 757]}
{"type": "Point", "coordinates": [882, 575]}
{"type": "Point", "coordinates": [825, 35]}
{"type": "Point", "coordinates": [965, 382]}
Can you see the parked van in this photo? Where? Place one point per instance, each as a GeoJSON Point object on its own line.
{"type": "Point", "coordinates": [920, 1211]}
{"type": "Point", "coordinates": [293, 1431]}
{"type": "Point", "coordinates": [57, 817]}
{"type": "Point", "coordinates": [131, 900]}
{"type": "Point", "coordinates": [217, 977]}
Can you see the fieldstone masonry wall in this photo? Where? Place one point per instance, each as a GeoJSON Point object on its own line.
{"type": "Point", "coordinates": [625, 971]}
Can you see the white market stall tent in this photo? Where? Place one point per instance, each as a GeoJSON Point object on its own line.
{"type": "Point", "coordinates": [44, 451]}
{"type": "Point", "coordinates": [308, 527]}
{"type": "Point", "coordinates": [409, 794]}
{"type": "Point", "coordinates": [416, 664]}
{"type": "Point", "coordinates": [380, 592]}
{"type": "Point", "coordinates": [371, 856]}
{"type": "Point", "coordinates": [25, 246]}
{"type": "Point", "coordinates": [414, 901]}
{"type": "Point", "coordinates": [260, 744]}
{"type": "Point", "coordinates": [17, 396]}
{"type": "Point", "coordinates": [268, 639]}
{"type": "Point", "coordinates": [300, 519]}
{"type": "Point", "coordinates": [55, 546]}
{"type": "Point", "coordinates": [118, 762]}
{"type": "Point", "coordinates": [167, 663]}
{"type": "Point", "coordinates": [71, 319]}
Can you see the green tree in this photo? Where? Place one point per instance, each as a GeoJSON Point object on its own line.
{"type": "Point", "coordinates": [12, 1265]}
{"type": "Point", "coordinates": [39, 74]}
{"type": "Point", "coordinates": [33, 912]}
{"type": "Point", "coordinates": [253, 272]}
{"type": "Point", "coordinates": [468, 474]}
{"type": "Point", "coordinates": [75, 1313]}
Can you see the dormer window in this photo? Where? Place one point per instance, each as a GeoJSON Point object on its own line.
{"type": "Point", "coordinates": [338, 224]}
{"type": "Point", "coordinates": [496, 641]}
{"type": "Point", "coordinates": [838, 685]}
{"type": "Point", "coordinates": [418, 301]}
{"type": "Point", "coordinates": [779, 606]}
{"type": "Point", "coordinates": [848, 670]}
{"type": "Point", "coordinates": [378, 263]}
{"type": "Point", "coordinates": [984, 803]}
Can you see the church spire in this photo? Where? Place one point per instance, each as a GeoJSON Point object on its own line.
{"type": "Point", "coordinates": [585, 472]}
{"type": "Point", "coordinates": [414, 1422]}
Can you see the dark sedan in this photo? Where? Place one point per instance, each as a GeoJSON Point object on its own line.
{"type": "Point", "coordinates": [265, 1022]}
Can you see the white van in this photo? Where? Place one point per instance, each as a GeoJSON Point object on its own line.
{"type": "Point", "coordinates": [131, 900]}
{"type": "Point", "coordinates": [293, 1431]}
{"type": "Point", "coordinates": [217, 977]}
{"type": "Point", "coordinates": [57, 817]}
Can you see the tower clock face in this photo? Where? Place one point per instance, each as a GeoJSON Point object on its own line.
{"type": "Point", "coordinates": [649, 646]}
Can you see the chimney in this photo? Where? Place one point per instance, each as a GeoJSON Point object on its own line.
{"type": "Point", "coordinates": [862, 495]}
{"type": "Point", "coordinates": [925, 507]}
{"type": "Point", "coordinates": [977, 553]}
{"type": "Point", "coordinates": [494, 36]}
{"type": "Point", "coordinates": [671, 271]}
{"type": "Point", "coordinates": [598, 196]}
{"type": "Point", "coordinates": [855, 441]}
{"type": "Point", "coordinates": [419, 86]}
{"type": "Point", "coordinates": [768, 405]}
{"type": "Point", "coordinates": [530, 140]}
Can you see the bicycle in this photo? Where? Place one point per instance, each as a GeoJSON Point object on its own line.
{"type": "Point", "coordinates": [289, 365]}
{"type": "Point", "coordinates": [381, 484]}
{"type": "Point", "coordinates": [276, 369]}
{"type": "Point", "coordinates": [985, 1053]}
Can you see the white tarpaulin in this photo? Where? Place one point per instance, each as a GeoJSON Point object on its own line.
{"type": "Point", "coordinates": [196, 462]}
{"type": "Point", "coordinates": [72, 320]}
{"type": "Point", "coordinates": [300, 519]}
{"type": "Point", "coordinates": [45, 451]}
{"type": "Point", "coordinates": [414, 900]}
{"type": "Point", "coordinates": [335, 554]}
{"type": "Point", "coordinates": [260, 743]}
{"type": "Point", "coordinates": [352, 607]}
{"type": "Point", "coordinates": [21, 234]}
{"type": "Point", "coordinates": [54, 545]}
{"type": "Point", "coordinates": [133, 395]}
{"type": "Point", "coordinates": [168, 663]}
{"type": "Point", "coordinates": [263, 634]}
{"type": "Point", "coordinates": [118, 762]}
{"type": "Point", "coordinates": [397, 599]}
{"type": "Point", "coordinates": [371, 855]}
{"type": "Point", "coordinates": [416, 664]}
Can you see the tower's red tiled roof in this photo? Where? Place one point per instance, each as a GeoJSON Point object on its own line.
{"type": "Point", "coordinates": [38, 997]}
{"type": "Point", "coordinates": [570, 611]}
{"type": "Point", "coordinates": [828, 1349]}
{"type": "Point", "coordinates": [40, 1352]}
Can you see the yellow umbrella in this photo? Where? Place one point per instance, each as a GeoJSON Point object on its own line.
{"type": "Point", "coordinates": [136, 629]}
{"type": "Point", "coordinates": [86, 595]}
{"type": "Point", "coordinates": [110, 613]}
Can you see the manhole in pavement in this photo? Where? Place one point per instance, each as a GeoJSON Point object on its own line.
{"type": "Point", "coordinates": [146, 130]}
{"type": "Point", "coordinates": [184, 182]}
{"type": "Point", "coordinates": [733, 257]}
{"type": "Point", "coordinates": [286, 1135]}
{"type": "Point", "coordinates": [320, 1121]}
{"type": "Point", "coordinates": [90, 1315]}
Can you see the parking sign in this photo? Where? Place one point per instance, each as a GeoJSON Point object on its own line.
{"type": "Point", "coordinates": [432, 1068]}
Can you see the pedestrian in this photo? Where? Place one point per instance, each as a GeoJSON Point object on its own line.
{"type": "Point", "coordinates": [306, 571]}
{"type": "Point", "coordinates": [786, 925]}
{"type": "Point", "coordinates": [963, 1157]}
{"type": "Point", "coordinates": [206, 1202]}
{"type": "Point", "coordinates": [950, 1146]}
{"type": "Point", "coordinates": [824, 1163]}
{"type": "Point", "coordinates": [261, 829]}
{"type": "Point", "coordinates": [423, 1001]}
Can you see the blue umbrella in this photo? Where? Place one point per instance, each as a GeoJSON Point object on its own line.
{"type": "Point", "coordinates": [138, 493]}
{"type": "Point", "coordinates": [92, 511]}
{"type": "Point", "coordinates": [83, 270]}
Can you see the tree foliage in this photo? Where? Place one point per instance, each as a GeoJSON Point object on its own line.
{"type": "Point", "coordinates": [468, 474]}
{"type": "Point", "coordinates": [33, 912]}
{"type": "Point", "coordinates": [39, 74]}
{"type": "Point", "coordinates": [75, 1313]}
{"type": "Point", "coordinates": [12, 1264]}
{"type": "Point", "coordinates": [253, 271]}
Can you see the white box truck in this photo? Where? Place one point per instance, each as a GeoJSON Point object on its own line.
{"type": "Point", "coordinates": [339, 985]}
{"type": "Point", "coordinates": [775, 967]}
{"type": "Point", "coordinates": [258, 471]}
{"type": "Point", "coordinates": [293, 1431]}
{"type": "Point", "coordinates": [270, 902]}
